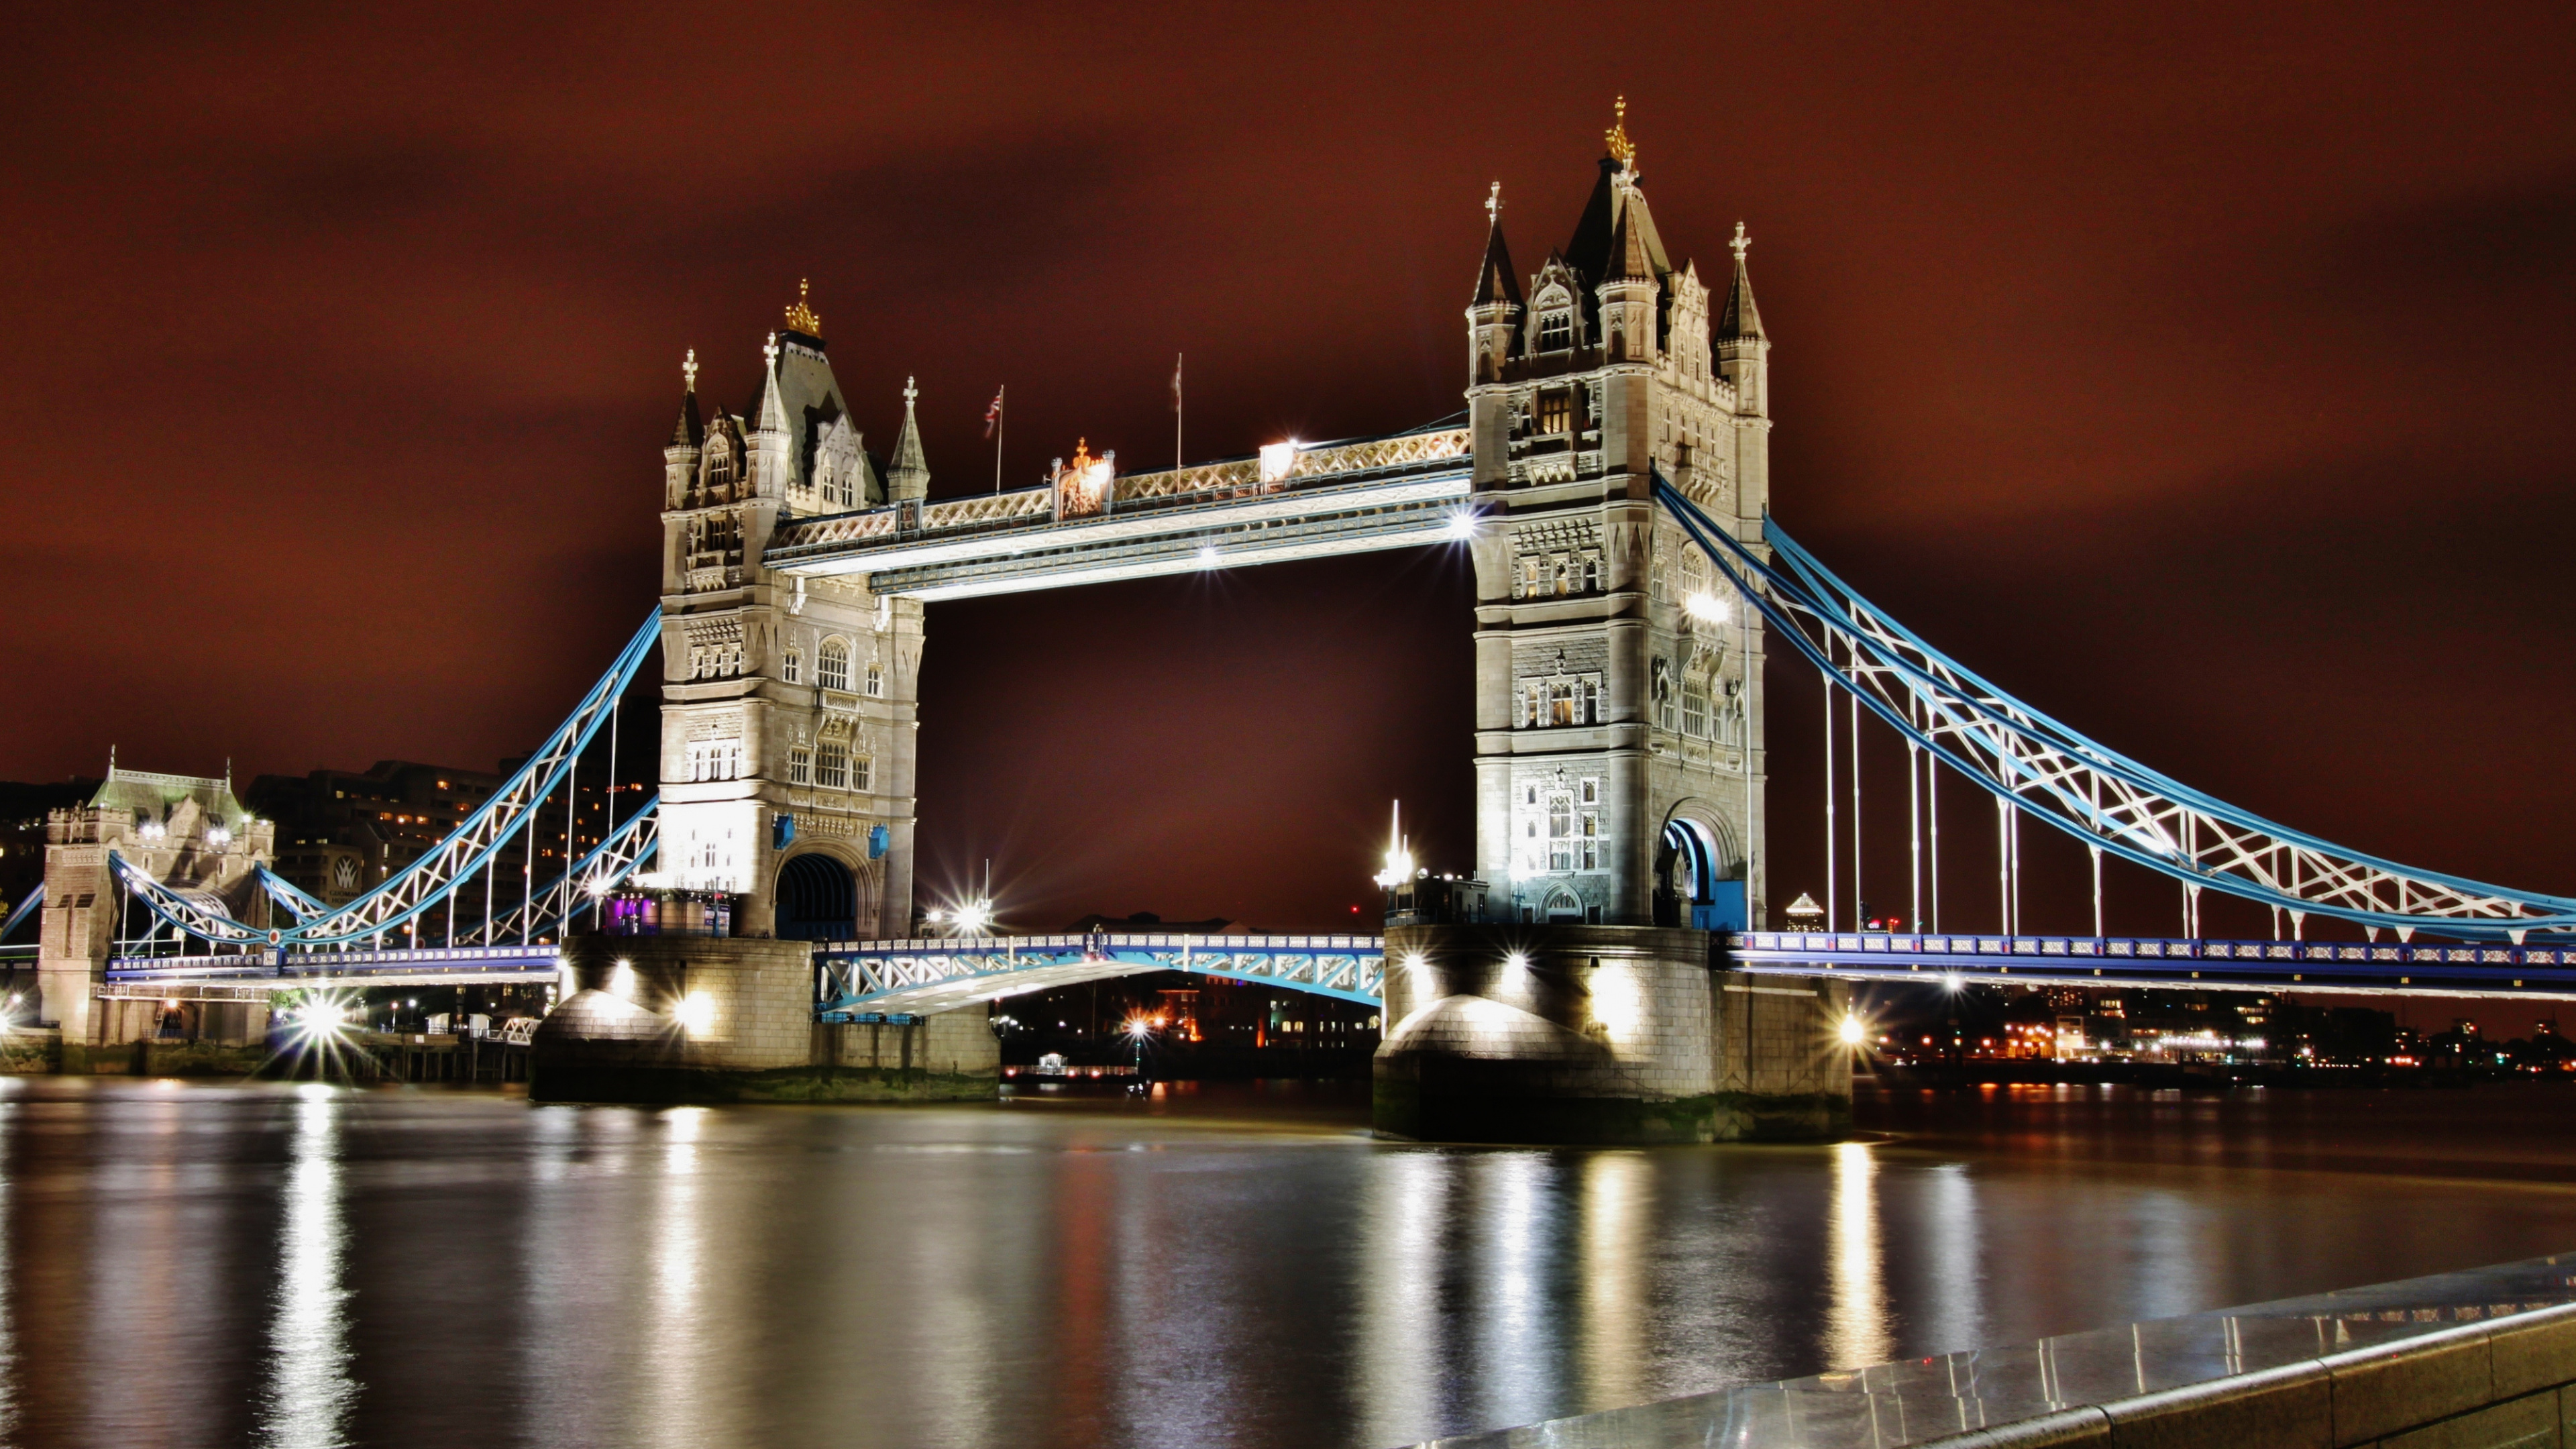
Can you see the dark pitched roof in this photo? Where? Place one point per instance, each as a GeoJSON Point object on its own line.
{"type": "Point", "coordinates": [1496, 283]}
{"type": "Point", "coordinates": [1739, 321]}
{"type": "Point", "coordinates": [1589, 252]}
{"type": "Point", "coordinates": [690, 430]}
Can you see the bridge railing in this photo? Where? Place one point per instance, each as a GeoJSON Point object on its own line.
{"type": "Point", "coordinates": [857, 977]}
{"type": "Point", "coordinates": [2158, 948]}
{"type": "Point", "coordinates": [1317, 466]}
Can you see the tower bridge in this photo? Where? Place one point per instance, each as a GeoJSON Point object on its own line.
{"type": "Point", "coordinates": [1613, 972]}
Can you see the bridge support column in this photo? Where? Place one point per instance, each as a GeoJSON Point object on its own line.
{"type": "Point", "coordinates": [727, 1019]}
{"type": "Point", "coordinates": [1601, 1034]}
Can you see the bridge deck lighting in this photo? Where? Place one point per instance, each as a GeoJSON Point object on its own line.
{"type": "Point", "coordinates": [1705, 607]}
{"type": "Point", "coordinates": [1462, 524]}
{"type": "Point", "coordinates": [1951, 981]}
{"type": "Point", "coordinates": [1207, 556]}
{"type": "Point", "coordinates": [621, 981]}
{"type": "Point", "coordinates": [1851, 1031]}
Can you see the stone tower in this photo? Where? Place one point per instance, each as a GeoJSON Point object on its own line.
{"type": "Point", "coordinates": [789, 705]}
{"type": "Point", "coordinates": [1619, 769]}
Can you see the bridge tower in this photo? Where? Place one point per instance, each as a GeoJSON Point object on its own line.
{"type": "Point", "coordinates": [1619, 765]}
{"type": "Point", "coordinates": [1619, 771]}
{"type": "Point", "coordinates": [789, 705]}
{"type": "Point", "coordinates": [185, 831]}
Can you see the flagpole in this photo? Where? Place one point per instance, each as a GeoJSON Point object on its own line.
{"type": "Point", "coordinates": [1000, 421]}
{"type": "Point", "coordinates": [1177, 360]}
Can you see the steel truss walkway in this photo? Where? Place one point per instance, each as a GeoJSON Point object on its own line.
{"type": "Point", "coordinates": [1313, 501]}
{"type": "Point", "coordinates": [922, 978]}
{"type": "Point", "coordinates": [244, 976]}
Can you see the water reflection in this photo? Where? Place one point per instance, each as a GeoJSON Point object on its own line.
{"type": "Point", "coordinates": [1618, 1200]}
{"type": "Point", "coordinates": [1404, 1210]}
{"type": "Point", "coordinates": [431, 1268]}
{"type": "Point", "coordinates": [309, 1394]}
{"type": "Point", "coordinates": [1954, 1258]}
{"type": "Point", "coordinates": [1856, 1319]}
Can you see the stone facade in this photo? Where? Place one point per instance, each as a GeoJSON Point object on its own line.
{"type": "Point", "coordinates": [1619, 768]}
{"type": "Point", "coordinates": [784, 699]}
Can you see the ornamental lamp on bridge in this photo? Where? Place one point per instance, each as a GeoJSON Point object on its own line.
{"type": "Point", "coordinates": [1804, 914]}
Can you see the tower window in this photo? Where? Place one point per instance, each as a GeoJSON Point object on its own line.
{"type": "Point", "coordinates": [791, 666]}
{"type": "Point", "coordinates": [1556, 412]}
{"type": "Point", "coordinates": [832, 766]}
{"type": "Point", "coordinates": [876, 682]}
{"type": "Point", "coordinates": [863, 773]}
{"type": "Point", "coordinates": [832, 664]}
{"type": "Point", "coordinates": [1560, 833]}
{"type": "Point", "coordinates": [1556, 332]}
{"type": "Point", "coordinates": [800, 766]}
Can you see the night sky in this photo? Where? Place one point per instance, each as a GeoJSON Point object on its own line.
{"type": "Point", "coordinates": [2200, 374]}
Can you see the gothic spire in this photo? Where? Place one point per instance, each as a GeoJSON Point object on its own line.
{"type": "Point", "coordinates": [909, 477]}
{"type": "Point", "coordinates": [691, 429]}
{"type": "Point", "coordinates": [1739, 322]}
{"type": "Point", "coordinates": [1496, 283]}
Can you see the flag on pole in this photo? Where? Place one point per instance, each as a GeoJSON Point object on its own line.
{"type": "Point", "coordinates": [993, 414]}
{"type": "Point", "coordinates": [1176, 382]}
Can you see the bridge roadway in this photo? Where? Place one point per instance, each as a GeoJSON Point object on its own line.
{"type": "Point", "coordinates": [855, 979]}
{"type": "Point", "coordinates": [1297, 501]}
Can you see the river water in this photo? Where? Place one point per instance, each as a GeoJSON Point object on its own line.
{"type": "Point", "coordinates": [307, 1265]}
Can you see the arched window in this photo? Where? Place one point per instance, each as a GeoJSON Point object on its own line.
{"type": "Point", "coordinates": [832, 664]}
{"type": "Point", "coordinates": [720, 467]}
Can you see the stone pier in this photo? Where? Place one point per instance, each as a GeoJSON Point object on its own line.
{"type": "Point", "coordinates": [721, 1019]}
{"type": "Point", "coordinates": [1602, 1034]}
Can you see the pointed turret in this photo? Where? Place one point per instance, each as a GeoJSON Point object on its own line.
{"type": "Point", "coordinates": [1496, 284]}
{"type": "Point", "coordinates": [1739, 321]}
{"type": "Point", "coordinates": [909, 475]}
{"type": "Point", "coordinates": [688, 436]}
{"type": "Point", "coordinates": [1629, 280]}
{"type": "Point", "coordinates": [691, 430]}
{"type": "Point", "coordinates": [1493, 319]}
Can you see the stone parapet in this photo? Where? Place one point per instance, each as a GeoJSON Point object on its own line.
{"type": "Point", "coordinates": [720, 1019]}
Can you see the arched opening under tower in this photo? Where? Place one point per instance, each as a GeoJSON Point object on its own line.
{"type": "Point", "coordinates": [1697, 881]}
{"type": "Point", "coordinates": [818, 900]}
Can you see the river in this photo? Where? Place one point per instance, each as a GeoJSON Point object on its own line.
{"type": "Point", "coordinates": [309, 1265]}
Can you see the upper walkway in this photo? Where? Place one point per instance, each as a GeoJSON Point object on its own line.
{"type": "Point", "coordinates": [1291, 501]}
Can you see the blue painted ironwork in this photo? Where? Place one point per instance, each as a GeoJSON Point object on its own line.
{"type": "Point", "coordinates": [426, 882]}
{"type": "Point", "coordinates": [2491, 968]}
{"type": "Point", "coordinates": [28, 907]}
{"type": "Point", "coordinates": [2103, 798]}
{"type": "Point", "coordinates": [605, 867]}
{"type": "Point", "coordinates": [303, 905]}
{"type": "Point", "coordinates": [933, 975]}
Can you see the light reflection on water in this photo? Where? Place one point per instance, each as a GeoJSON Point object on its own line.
{"type": "Point", "coordinates": [309, 1395]}
{"type": "Point", "coordinates": [319, 1266]}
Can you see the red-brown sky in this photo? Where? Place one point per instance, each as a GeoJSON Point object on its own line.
{"type": "Point", "coordinates": [2200, 372]}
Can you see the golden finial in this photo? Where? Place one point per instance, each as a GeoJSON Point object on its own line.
{"type": "Point", "coordinates": [801, 318]}
{"type": "Point", "coordinates": [1617, 136]}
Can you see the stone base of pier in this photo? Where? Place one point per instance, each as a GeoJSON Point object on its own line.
{"type": "Point", "coordinates": [718, 1019]}
{"type": "Point", "coordinates": [1602, 1034]}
